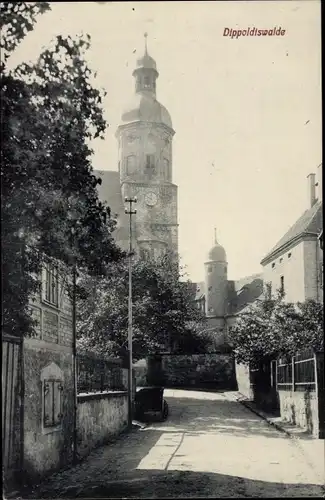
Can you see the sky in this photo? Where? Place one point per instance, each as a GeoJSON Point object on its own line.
{"type": "Point", "coordinates": [246, 111]}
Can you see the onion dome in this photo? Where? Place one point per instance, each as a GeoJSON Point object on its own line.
{"type": "Point", "coordinates": [217, 252]}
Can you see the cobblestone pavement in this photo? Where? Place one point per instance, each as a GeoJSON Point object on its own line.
{"type": "Point", "coordinates": [210, 446]}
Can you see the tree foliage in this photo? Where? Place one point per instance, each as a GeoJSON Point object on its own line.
{"type": "Point", "coordinates": [273, 328]}
{"type": "Point", "coordinates": [164, 315]}
{"type": "Point", "coordinates": [50, 112]}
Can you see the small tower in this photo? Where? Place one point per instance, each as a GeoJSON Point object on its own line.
{"type": "Point", "coordinates": [216, 282]}
{"type": "Point", "coordinates": [146, 73]}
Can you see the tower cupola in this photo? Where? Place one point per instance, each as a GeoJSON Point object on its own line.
{"type": "Point", "coordinates": [217, 252]}
{"type": "Point", "coordinates": [146, 73]}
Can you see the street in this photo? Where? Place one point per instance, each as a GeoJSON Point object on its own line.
{"type": "Point", "coordinates": [210, 446]}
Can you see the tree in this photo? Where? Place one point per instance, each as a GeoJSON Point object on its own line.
{"type": "Point", "coordinates": [50, 206]}
{"type": "Point", "coordinates": [272, 328]}
{"type": "Point", "coordinates": [164, 315]}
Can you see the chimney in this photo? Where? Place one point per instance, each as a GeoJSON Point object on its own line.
{"type": "Point", "coordinates": [319, 177]}
{"type": "Point", "coordinates": [311, 189]}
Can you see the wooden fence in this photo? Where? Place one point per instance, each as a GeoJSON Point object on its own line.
{"type": "Point", "coordinates": [298, 373]}
{"type": "Point", "coordinates": [99, 375]}
{"type": "Point", "coordinates": [12, 407]}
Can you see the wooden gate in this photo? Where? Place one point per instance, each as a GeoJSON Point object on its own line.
{"type": "Point", "coordinates": [320, 393]}
{"type": "Point", "coordinates": [12, 407]}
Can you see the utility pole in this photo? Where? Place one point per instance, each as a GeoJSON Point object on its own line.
{"type": "Point", "coordinates": [130, 212]}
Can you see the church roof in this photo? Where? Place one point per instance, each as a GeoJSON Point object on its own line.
{"type": "Point", "coordinates": [309, 224]}
{"type": "Point", "coordinates": [241, 293]}
{"type": "Point", "coordinates": [144, 107]}
{"type": "Point", "coordinates": [110, 192]}
{"type": "Point", "coordinates": [244, 292]}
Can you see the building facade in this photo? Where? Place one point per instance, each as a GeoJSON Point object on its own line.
{"type": "Point", "coordinates": [145, 168]}
{"type": "Point", "coordinates": [295, 263]}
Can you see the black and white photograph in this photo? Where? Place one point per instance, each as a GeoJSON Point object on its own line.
{"type": "Point", "coordinates": [162, 249]}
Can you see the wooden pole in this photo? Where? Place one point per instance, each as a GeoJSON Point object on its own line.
{"type": "Point", "coordinates": [130, 212]}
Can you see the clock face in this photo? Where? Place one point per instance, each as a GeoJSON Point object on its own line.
{"type": "Point", "coordinates": [151, 199]}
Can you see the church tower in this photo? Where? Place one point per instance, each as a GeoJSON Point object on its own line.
{"type": "Point", "coordinates": [216, 283]}
{"type": "Point", "coordinates": [145, 163]}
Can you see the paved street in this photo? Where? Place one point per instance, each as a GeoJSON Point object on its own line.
{"type": "Point", "coordinates": [209, 446]}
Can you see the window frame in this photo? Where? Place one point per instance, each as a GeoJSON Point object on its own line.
{"type": "Point", "coordinates": [146, 82]}
{"type": "Point", "coordinates": [282, 283]}
{"type": "Point", "coordinates": [130, 166]}
{"type": "Point", "coordinates": [50, 289]}
{"type": "Point", "coordinates": [166, 166]}
{"type": "Point", "coordinates": [150, 165]}
{"type": "Point", "coordinates": [56, 408]}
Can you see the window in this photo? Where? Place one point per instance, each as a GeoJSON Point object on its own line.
{"type": "Point", "coordinates": [150, 161]}
{"type": "Point", "coordinates": [209, 269]}
{"type": "Point", "coordinates": [51, 292]}
{"type": "Point", "coordinates": [210, 288]}
{"type": "Point", "coordinates": [146, 82]}
{"type": "Point", "coordinates": [165, 169]}
{"type": "Point", "coordinates": [282, 283]}
{"type": "Point", "coordinates": [281, 260]}
{"type": "Point", "coordinates": [52, 403]}
{"type": "Point", "coordinates": [289, 255]}
{"type": "Point", "coordinates": [273, 265]}
{"type": "Point", "coordinates": [144, 253]}
{"type": "Point", "coordinates": [130, 164]}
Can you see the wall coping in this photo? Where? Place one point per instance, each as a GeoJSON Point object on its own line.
{"type": "Point", "coordinates": [88, 396]}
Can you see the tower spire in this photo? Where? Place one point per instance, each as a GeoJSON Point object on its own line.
{"type": "Point", "coordinates": [145, 43]}
{"type": "Point", "coordinates": [215, 235]}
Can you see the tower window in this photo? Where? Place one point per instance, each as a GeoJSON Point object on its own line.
{"type": "Point", "coordinates": [210, 288]}
{"type": "Point", "coordinates": [130, 164]}
{"type": "Point", "coordinates": [146, 82]}
{"type": "Point", "coordinates": [165, 169]}
{"type": "Point", "coordinates": [209, 269]}
{"type": "Point", "coordinates": [150, 161]}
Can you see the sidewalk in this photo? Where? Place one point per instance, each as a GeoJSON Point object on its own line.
{"type": "Point", "coordinates": [313, 449]}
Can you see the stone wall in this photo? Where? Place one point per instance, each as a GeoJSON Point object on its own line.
{"type": "Point", "coordinates": [46, 448]}
{"type": "Point", "coordinates": [300, 408]}
{"type": "Point", "coordinates": [100, 417]}
{"type": "Point", "coordinates": [215, 371]}
{"type": "Point", "coordinates": [243, 380]}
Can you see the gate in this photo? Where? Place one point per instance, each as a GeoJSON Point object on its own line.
{"type": "Point", "coordinates": [320, 393]}
{"type": "Point", "coordinates": [12, 407]}
{"type": "Point", "coordinates": [155, 374]}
